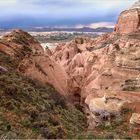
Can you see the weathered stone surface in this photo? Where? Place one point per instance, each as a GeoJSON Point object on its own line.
{"type": "Point", "coordinates": [102, 109]}
{"type": "Point", "coordinates": [33, 61]}
{"type": "Point", "coordinates": [129, 20]}
{"type": "Point", "coordinates": [135, 5]}
{"type": "Point", "coordinates": [135, 119]}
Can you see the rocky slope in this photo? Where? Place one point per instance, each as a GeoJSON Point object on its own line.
{"type": "Point", "coordinates": [33, 62]}
{"type": "Point", "coordinates": [29, 106]}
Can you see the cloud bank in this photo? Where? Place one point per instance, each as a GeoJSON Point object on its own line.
{"type": "Point", "coordinates": [27, 13]}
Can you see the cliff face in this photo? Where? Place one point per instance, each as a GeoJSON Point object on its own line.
{"type": "Point", "coordinates": [101, 63]}
{"type": "Point", "coordinates": [104, 74]}
{"type": "Point", "coordinates": [129, 20]}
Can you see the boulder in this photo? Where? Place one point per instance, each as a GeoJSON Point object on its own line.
{"type": "Point", "coordinates": [135, 119]}
{"type": "Point", "coordinates": [103, 109]}
{"type": "Point", "coordinates": [3, 70]}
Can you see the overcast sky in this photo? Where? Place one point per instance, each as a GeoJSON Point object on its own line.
{"type": "Point", "coordinates": [61, 13]}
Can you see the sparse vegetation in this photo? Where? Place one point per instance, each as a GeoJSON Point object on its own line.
{"type": "Point", "coordinates": [40, 69]}
{"type": "Point", "coordinates": [130, 85]}
{"type": "Point", "coordinates": [62, 37]}
{"type": "Point", "coordinates": [29, 110]}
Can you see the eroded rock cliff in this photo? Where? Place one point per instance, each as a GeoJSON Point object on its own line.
{"type": "Point", "coordinates": [129, 20]}
{"type": "Point", "coordinates": [101, 68]}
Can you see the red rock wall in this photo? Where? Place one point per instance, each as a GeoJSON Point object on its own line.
{"type": "Point", "coordinates": [128, 21]}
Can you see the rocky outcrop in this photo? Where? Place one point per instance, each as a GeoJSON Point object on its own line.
{"type": "Point", "coordinates": [104, 64]}
{"type": "Point", "coordinates": [101, 65]}
{"type": "Point", "coordinates": [33, 61]}
{"type": "Point", "coordinates": [135, 119]}
{"type": "Point", "coordinates": [20, 40]}
{"type": "Point", "coordinates": [45, 70]}
{"type": "Point", "coordinates": [103, 109]}
{"type": "Point", "coordinates": [129, 20]}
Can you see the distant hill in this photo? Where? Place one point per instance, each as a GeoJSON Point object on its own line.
{"type": "Point", "coordinates": [49, 29]}
{"type": "Point", "coordinates": [84, 29]}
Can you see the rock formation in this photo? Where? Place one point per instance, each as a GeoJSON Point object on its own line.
{"type": "Point", "coordinates": [129, 20]}
{"type": "Point", "coordinates": [101, 74]}
{"type": "Point", "coordinates": [30, 106]}
{"type": "Point", "coordinates": [33, 61]}
{"type": "Point", "coordinates": [135, 119]}
{"type": "Point", "coordinates": [108, 64]}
